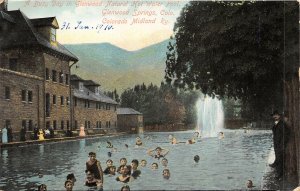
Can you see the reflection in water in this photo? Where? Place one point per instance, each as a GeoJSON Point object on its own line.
{"type": "Point", "coordinates": [41, 148]}
{"type": "Point", "coordinates": [4, 156]}
{"type": "Point", "coordinates": [231, 161]}
{"type": "Point", "coordinates": [82, 144]}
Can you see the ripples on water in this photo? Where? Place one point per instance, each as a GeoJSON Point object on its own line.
{"type": "Point", "coordinates": [224, 164]}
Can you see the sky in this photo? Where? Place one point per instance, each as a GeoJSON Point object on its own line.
{"type": "Point", "coordinates": [96, 15]}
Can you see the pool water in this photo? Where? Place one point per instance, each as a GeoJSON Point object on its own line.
{"type": "Point", "coordinates": [224, 164]}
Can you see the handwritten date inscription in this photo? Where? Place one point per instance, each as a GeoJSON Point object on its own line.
{"type": "Point", "coordinates": [79, 25]}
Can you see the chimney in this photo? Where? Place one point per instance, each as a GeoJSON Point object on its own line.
{"type": "Point", "coordinates": [3, 5]}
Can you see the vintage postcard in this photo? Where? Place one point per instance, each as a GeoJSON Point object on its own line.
{"type": "Point", "coordinates": [149, 95]}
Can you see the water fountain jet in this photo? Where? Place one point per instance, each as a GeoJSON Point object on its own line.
{"type": "Point", "coordinates": [210, 116]}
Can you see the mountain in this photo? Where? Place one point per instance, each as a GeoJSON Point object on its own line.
{"type": "Point", "coordinates": [114, 67]}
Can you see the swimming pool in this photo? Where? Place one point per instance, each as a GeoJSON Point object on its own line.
{"type": "Point", "coordinates": [224, 164]}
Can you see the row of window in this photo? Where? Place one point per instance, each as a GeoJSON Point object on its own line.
{"type": "Point", "coordinates": [28, 124]}
{"type": "Point", "coordinates": [26, 95]}
{"type": "Point", "coordinates": [62, 78]}
{"type": "Point", "coordinates": [55, 124]}
{"type": "Point", "coordinates": [87, 124]}
{"type": "Point", "coordinates": [62, 100]}
{"type": "Point", "coordinates": [98, 105]}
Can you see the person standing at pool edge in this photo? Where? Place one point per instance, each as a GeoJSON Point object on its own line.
{"type": "Point", "coordinates": [280, 140]}
{"type": "Point", "coordinates": [93, 165]}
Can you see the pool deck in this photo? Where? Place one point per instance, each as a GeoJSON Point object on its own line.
{"type": "Point", "coordinates": [60, 139]}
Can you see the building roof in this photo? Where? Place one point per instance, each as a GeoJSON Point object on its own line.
{"type": "Point", "coordinates": [48, 21]}
{"type": "Point", "coordinates": [25, 35]}
{"type": "Point", "coordinates": [127, 111]}
{"type": "Point", "coordinates": [89, 95]}
{"type": "Point", "coordinates": [90, 83]}
{"type": "Point", "coordinates": [74, 77]}
{"type": "Point", "coordinates": [7, 17]}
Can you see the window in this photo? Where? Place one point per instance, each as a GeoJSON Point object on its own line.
{"type": "Point", "coordinates": [115, 108]}
{"type": "Point", "coordinates": [23, 93]}
{"type": "Point", "coordinates": [98, 124]}
{"type": "Point", "coordinates": [54, 77]}
{"type": "Point", "coordinates": [97, 90]}
{"type": "Point", "coordinates": [106, 124]}
{"type": "Point", "coordinates": [54, 125]}
{"type": "Point", "coordinates": [24, 123]}
{"type": "Point", "coordinates": [30, 125]}
{"type": "Point", "coordinates": [61, 100]}
{"type": "Point", "coordinates": [62, 125]}
{"type": "Point", "coordinates": [109, 124]}
{"type": "Point", "coordinates": [87, 103]}
{"type": "Point", "coordinates": [61, 77]}
{"type": "Point", "coordinates": [107, 107]}
{"type": "Point", "coordinates": [29, 96]}
{"type": "Point", "coordinates": [67, 79]}
{"type": "Point", "coordinates": [7, 123]}
{"type": "Point", "coordinates": [75, 101]}
{"type": "Point", "coordinates": [76, 124]}
{"type": "Point", "coordinates": [47, 74]}
{"type": "Point", "coordinates": [53, 34]}
{"type": "Point", "coordinates": [47, 108]}
{"type": "Point", "coordinates": [85, 124]}
{"type": "Point", "coordinates": [48, 124]}
{"type": "Point", "coordinates": [89, 124]}
{"type": "Point", "coordinates": [54, 99]}
{"type": "Point", "coordinates": [80, 86]}
{"type": "Point", "coordinates": [68, 124]}
{"type": "Point", "coordinates": [13, 64]}
{"type": "Point", "coordinates": [7, 93]}
{"type": "Point", "coordinates": [67, 100]}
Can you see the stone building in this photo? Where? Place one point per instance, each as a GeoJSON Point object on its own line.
{"type": "Point", "coordinates": [34, 73]}
{"type": "Point", "coordinates": [91, 108]}
{"type": "Point", "coordinates": [130, 120]}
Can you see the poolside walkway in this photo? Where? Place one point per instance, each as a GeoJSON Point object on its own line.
{"type": "Point", "coordinates": [60, 139]}
{"type": "Point", "coordinates": [270, 182]}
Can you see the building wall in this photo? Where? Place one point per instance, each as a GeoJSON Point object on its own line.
{"type": "Point", "coordinates": [59, 112]}
{"type": "Point", "coordinates": [28, 61]}
{"type": "Point", "coordinates": [83, 114]}
{"type": "Point", "coordinates": [130, 123]}
{"type": "Point", "coordinates": [14, 109]}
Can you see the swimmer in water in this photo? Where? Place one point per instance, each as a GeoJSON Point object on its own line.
{"type": "Point", "coordinates": [173, 141]}
{"type": "Point", "coordinates": [154, 166]}
{"type": "Point", "coordinates": [164, 162]}
{"type": "Point", "coordinates": [138, 141]}
{"type": "Point", "coordinates": [196, 158]}
{"type": "Point", "coordinates": [123, 161]}
{"type": "Point", "coordinates": [124, 177]}
{"type": "Point", "coordinates": [191, 141]}
{"type": "Point", "coordinates": [69, 185]}
{"type": "Point", "coordinates": [166, 174]}
{"type": "Point", "coordinates": [143, 163]}
{"type": "Point", "coordinates": [158, 152]}
{"type": "Point", "coordinates": [249, 184]}
{"type": "Point", "coordinates": [109, 145]}
{"type": "Point", "coordinates": [221, 135]}
{"type": "Point", "coordinates": [109, 163]}
{"type": "Point", "coordinates": [112, 171]}
{"type": "Point", "coordinates": [125, 188]}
